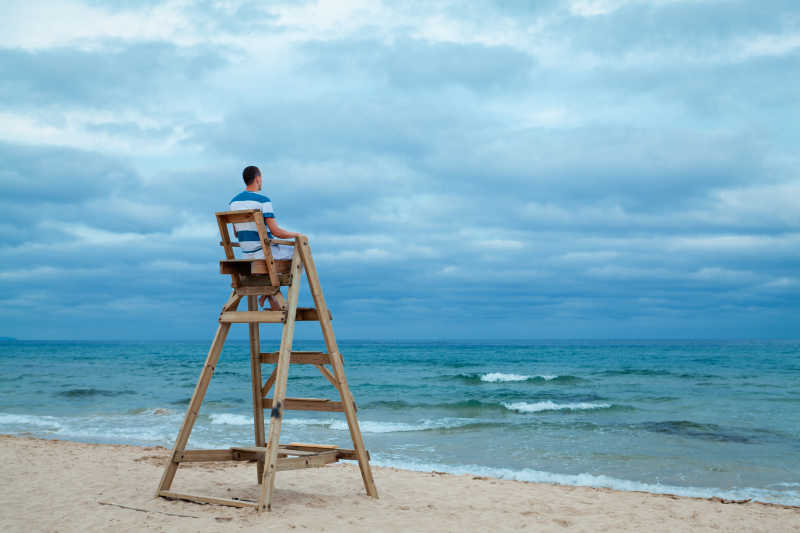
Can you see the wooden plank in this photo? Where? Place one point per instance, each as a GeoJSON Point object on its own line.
{"type": "Point", "coordinates": [226, 244]}
{"type": "Point", "coordinates": [336, 363]}
{"type": "Point", "coordinates": [265, 245]}
{"type": "Point", "coordinates": [297, 358]}
{"type": "Point", "coordinates": [253, 453]}
{"type": "Point", "coordinates": [312, 461]}
{"type": "Point", "coordinates": [241, 215]}
{"type": "Point", "coordinates": [256, 291]}
{"type": "Point", "coordinates": [202, 456]}
{"type": "Point", "coordinates": [343, 453]}
{"type": "Point", "coordinates": [282, 266]}
{"type": "Point", "coordinates": [233, 302]}
{"type": "Point", "coordinates": [255, 450]}
{"type": "Point", "coordinates": [270, 381]}
{"type": "Point", "coordinates": [262, 280]}
{"type": "Point", "coordinates": [255, 379]}
{"type": "Point", "coordinates": [309, 447]}
{"type": "Point", "coordinates": [234, 244]}
{"type": "Point", "coordinates": [244, 317]}
{"type": "Point", "coordinates": [248, 455]}
{"type": "Point", "coordinates": [280, 300]}
{"type": "Point", "coordinates": [307, 404]}
{"type": "Point", "coordinates": [243, 266]}
{"type": "Point", "coordinates": [328, 376]}
{"type": "Point", "coordinates": [205, 499]}
{"type": "Point", "coordinates": [225, 236]}
{"type": "Point", "coordinates": [276, 413]}
{"type": "Point", "coordinates": [194, 406]}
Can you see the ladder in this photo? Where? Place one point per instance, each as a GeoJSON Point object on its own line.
{"type": "Point", "coordinates": [251, 278]}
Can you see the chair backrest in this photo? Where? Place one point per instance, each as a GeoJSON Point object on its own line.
{"type": "Point", "coordinates": [237, 217]}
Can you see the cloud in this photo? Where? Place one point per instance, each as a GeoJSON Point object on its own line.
{"type": "Point", "coordinates": [591, 168]}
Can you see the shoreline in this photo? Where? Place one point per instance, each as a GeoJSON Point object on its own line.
{"type": "Point", "coordinates": [71, 486]}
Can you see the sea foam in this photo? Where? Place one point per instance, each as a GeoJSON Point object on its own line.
{"type": "Point", "coordinates": [231, 419]}
{"type": "Point", "coordinates": [29, 420]}
{"type": "Point", "coordinates": [593, 480]}
{"type": "Point", "coordinates": [525, 407]}
{"type": "Point", "coordinates": [499, 377]}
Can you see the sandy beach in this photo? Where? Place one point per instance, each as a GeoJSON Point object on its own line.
{"type": "Point", "coordinates": [67, 486]}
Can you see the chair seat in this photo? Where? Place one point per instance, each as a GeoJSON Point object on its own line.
{"type": "Point", "coordinates": [252, 266]}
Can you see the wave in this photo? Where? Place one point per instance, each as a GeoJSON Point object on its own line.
{"type": "Point", "coordinates": [464, 405]}
{"type": "Point", "coordinates": [157, 411]}
{"type": "Point", "coordinates": [145, 428]}
{"type": "Point", "coordinates": [502, 377]}
{"type": "Point", "coordinates": [475, 407]}
{"type": "Point", "coordinates": [376, 426]}
{"type": "Point", "coordinates": [783, 497]}
{"type": "Point", "coordinates": [29, 420]}
{"type": "Point", "coordinates": [231, 419]}
{"type": "Point", "coordinates": [536, 407]}
{"type": "Point", "coordinates": [88, 393]}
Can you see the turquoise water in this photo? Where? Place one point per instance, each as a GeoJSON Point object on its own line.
{"type": "Point", "coordinates": [692, 418]}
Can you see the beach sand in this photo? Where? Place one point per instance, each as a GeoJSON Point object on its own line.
{"type": "Point", "coordinates": [67, 486]}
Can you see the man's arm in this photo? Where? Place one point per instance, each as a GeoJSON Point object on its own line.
{"type": "Point", "coordinates": [278, 231]}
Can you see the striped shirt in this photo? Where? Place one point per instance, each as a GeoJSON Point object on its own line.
{"type": "Point", "coordinates": [246, 231]}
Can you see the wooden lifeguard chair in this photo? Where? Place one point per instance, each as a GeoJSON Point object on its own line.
{"type": "Point", "coordinates": [251, 278]}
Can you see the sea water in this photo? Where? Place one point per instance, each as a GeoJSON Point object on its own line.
{"type": "Point", "coordinates": [691, 418]}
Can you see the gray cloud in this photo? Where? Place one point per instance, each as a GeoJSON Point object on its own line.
{"type": "Point", "coordinates": [644, 184]}
{"type": "Point", "coordinates": [117, 75]}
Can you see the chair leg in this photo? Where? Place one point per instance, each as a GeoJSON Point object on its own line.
{"type": "Point", "coordinates": [255, 375]}
{"type": "Point", "coordinates": [279, 393]}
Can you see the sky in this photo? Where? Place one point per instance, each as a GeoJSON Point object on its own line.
{"type": "Point", "coordinates": [464, 170]}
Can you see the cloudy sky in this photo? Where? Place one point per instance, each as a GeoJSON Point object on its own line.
{"type": "Point", "coordinates": [570, 169]}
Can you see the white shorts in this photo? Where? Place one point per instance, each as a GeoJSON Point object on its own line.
{"type": "Point", "coordinates": [279, 252]}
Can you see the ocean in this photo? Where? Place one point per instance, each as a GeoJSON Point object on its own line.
{"type": "Point", "coordinates": [694, 418]}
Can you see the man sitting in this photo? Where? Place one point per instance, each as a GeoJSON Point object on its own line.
{"type": "Point", "coordinates": [247, 233]}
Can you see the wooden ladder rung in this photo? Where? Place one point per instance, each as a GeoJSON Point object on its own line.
{"type": "Point", "coordinates": [201, 456]}
{"type": "Point", "coordinates": [297, 358]}
{"type": "Point", "coordinates": [343, 453]}
{"type": "Point", "coordinates": [310, 461]}
{"type": "Point", "coordinates": [252, 453]}
{"type": "Point", "coordinates": [301, 459]}
{"type": "Point", "coordinates": [249, 317]}
{"type": "Point", "coordinates": [307, 404]}
{"type": "Point", "coordinates": [206, 499]}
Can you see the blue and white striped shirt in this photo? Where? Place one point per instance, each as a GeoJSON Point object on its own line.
{"type": "Point", "coordinates": [247, 231]}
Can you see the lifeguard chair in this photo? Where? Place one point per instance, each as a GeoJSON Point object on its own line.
{"type": "Point", "coordinates": [251, 278]}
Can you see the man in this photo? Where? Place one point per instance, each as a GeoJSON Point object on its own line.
{"type": "Point", "coordinates": [246, 232]}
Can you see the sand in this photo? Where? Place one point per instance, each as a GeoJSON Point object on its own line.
{"type": "Point", "coordinates": [65, 486]}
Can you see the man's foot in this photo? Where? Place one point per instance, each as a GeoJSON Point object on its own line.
{"type": "Point", "coordinates": [261, 300]}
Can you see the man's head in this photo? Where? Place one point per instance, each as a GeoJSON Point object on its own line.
{"type": "Point", "coordinates": [252, 177]}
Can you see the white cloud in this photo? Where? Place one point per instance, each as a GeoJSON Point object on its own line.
{"type": "Point", "coordinates": [356, 256]}
{"type": "Point", "coordinates": [49, 272]}
{"type": "Point", "coordinates": [72, 129]}
{"type": "Point", "coordinates": [769, 45]}
{"type": "Point", "coordinates": [44, 24]}
{"type": "Point", "coordinates": [735, 243]}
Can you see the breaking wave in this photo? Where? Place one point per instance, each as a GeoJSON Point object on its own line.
{"type": "Point", "coordinates": [536, 407]}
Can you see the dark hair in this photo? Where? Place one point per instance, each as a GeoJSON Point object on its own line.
{"type": "Point", "coordinates": [249, 174]}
